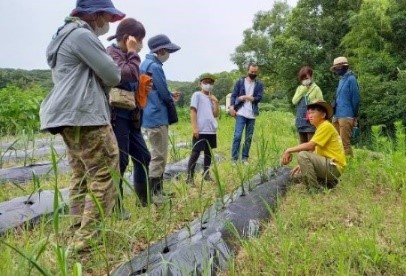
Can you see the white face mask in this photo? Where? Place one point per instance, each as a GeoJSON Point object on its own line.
{"type": "Point", "coordinates": [207, 87]}
{"type": "Point", "coordinates": [139, 47]}
{"type": "Point", "coordinates": [164, 57]}
{"type": "Point", "coordinates": [99, 31]}
{"type": "Point", "coordinates": [306, 82]}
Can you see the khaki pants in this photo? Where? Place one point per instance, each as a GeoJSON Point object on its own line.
{"type": "Point", "coordinates": [93, 154]}
{"type": "Point", "coordinates": [317, 170]}
{"type": "Point", "coordinates": [158, 138]}
{"type": "Point", "coordinates": [344, 128]}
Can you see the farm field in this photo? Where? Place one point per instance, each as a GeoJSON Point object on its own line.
{"type": "Point", "coordinates": [358, 228]}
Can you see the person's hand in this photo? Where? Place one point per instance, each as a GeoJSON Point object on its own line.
{"type": "Point", "coordinates": [295, 170]}
{"type": "Point", "coordinates": [213, 99]}
{"type": "Point", "coordinates": [132, 44]}
{"type": "Point", "coordinates": [176, 95]}
{"type": "Point", "coordinates": [286, 158]}
{"type": "Point", "coordinates": [242, 98]}
{"type": "Point", "coordinates": [231, 111]}
{"type": "Point", "coordinates": [196, 132]}
{"type": "Point", "coordinates": [250, 98]}
{"type": "Point", "coordinates": [149, 86]}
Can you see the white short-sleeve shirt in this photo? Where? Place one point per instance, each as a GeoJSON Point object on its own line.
{"type": "Point", "coordinates": [206, 122]}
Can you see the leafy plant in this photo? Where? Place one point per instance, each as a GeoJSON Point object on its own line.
{"type": "Point", "coordinates": [174, 152]}
{"type": "Point", "coordinates": [6, 150]}
{"type": "Point", "coordinates": [20, 108]}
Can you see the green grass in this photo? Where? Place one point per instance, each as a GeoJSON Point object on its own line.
{"type": "Point", "coordinates": [359, 228]}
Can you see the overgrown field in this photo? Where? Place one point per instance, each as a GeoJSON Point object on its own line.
{"type": "Point", "coordinates": [358, 228]}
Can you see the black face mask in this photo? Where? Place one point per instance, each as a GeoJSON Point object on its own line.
{"type": "Point", "coordinates": [341, 71]}
{"type": "Point", "coordinates": [252, 76]}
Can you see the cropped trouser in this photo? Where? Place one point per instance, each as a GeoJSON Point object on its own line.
{"type": "Point", "coordinates": [158, 138]}
{"type": "Point", "coordinates": [344, 128]}
{"type": "Point", "coordinates": [93, 156]}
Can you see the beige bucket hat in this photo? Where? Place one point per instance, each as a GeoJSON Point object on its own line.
{"type": "Point", "coordinates": [339, 61]}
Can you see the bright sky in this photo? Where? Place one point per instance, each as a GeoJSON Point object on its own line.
{"type": "Point", "coordinates": [208, 31]}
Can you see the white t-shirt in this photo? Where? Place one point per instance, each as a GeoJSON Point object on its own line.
{"type": "Point", "coordinates": [246, 109]}
{"type": "Point", "coordinates": [206, 122]}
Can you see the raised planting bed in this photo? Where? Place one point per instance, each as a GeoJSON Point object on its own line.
{"type": "Point", "coordinates": [208, 243]}
{"type": "Point", "coordinates": [28, 210]}
{"type": "Point", "coordinates": [24, 174]}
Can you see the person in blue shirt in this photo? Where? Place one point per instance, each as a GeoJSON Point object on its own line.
{"type": "Point", "coordinates": [244, 101]}
{"type": "Point", "coordinates": [347, 100]}
{"type": "Point", "coordinates": [155, 117]}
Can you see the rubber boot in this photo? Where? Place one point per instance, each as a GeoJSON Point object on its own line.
{"type": "Point", "coordinates": [160, 184]}
{"type": "Point", "coordinates": [206, 176]}
{"type": "Point", "coordinates": [142, 193]}
{"type": "Point", "coordinates": [190, 177]}
{"type": "Point", "coordinates": [161, 187]}
{"type": "Point", "coordinates": [154, 182]}
{"type": "Point", "coordinates": [121, 213]}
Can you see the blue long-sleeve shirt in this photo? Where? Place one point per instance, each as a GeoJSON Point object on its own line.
{"type": "Point", "coordinates": [155, 112]}
{"type": "Point", "coordinates": [347, 97]}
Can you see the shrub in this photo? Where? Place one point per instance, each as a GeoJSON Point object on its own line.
{"type": "Point", "coordinates": [19, 109]}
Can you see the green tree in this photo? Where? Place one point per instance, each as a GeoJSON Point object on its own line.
{"type": "Point", "coordinates": [283, 40]}
{"type": "Point", "coordinates": [370, 44]}
{"type": "Point", "coordinates": [258, 40]}
{"type": "Point", "coordinates": [25, 78]}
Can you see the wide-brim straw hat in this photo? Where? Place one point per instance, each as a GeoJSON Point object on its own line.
{"type": "Point", "coordinates": [325, 105]}
{"type": "Point", "coordinates": [339, 61]}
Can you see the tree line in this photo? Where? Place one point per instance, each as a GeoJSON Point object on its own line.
{"type": "Point", "coordinates": [282, 40]}
{"type": "Point", "coordinates": [41, 81]}
{"type": "Point", "coordinates": [371, 33]}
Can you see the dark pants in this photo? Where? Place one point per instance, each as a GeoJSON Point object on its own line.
{"type": "Point", "coordinates": [241, 123]}
{"type": "Point", "coordinates": [305, 137]}
{"type": "Point", "coordinates": [131, 143]}
{"type": "Point", "coordinates": [203, 143]}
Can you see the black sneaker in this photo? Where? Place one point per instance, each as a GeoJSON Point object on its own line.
{"type": "Point", "coordinates": [207, 177]}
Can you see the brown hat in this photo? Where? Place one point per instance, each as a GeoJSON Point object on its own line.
{"type": "Point", "coordinates": [325, 105]}
{"type": "Point", "coordinates": [129, 26]}
{"type": "Point", "coordinates": [339, 61]}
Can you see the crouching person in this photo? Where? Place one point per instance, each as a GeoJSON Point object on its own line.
{"type": "Point", "coordinates": [322, 159]}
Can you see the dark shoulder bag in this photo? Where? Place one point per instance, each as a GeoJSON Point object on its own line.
{"type": "Point", "coordinates": [172, 113]}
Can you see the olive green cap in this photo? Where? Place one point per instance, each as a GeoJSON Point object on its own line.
{"type": "Point", "coordinates": [207, 76]}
